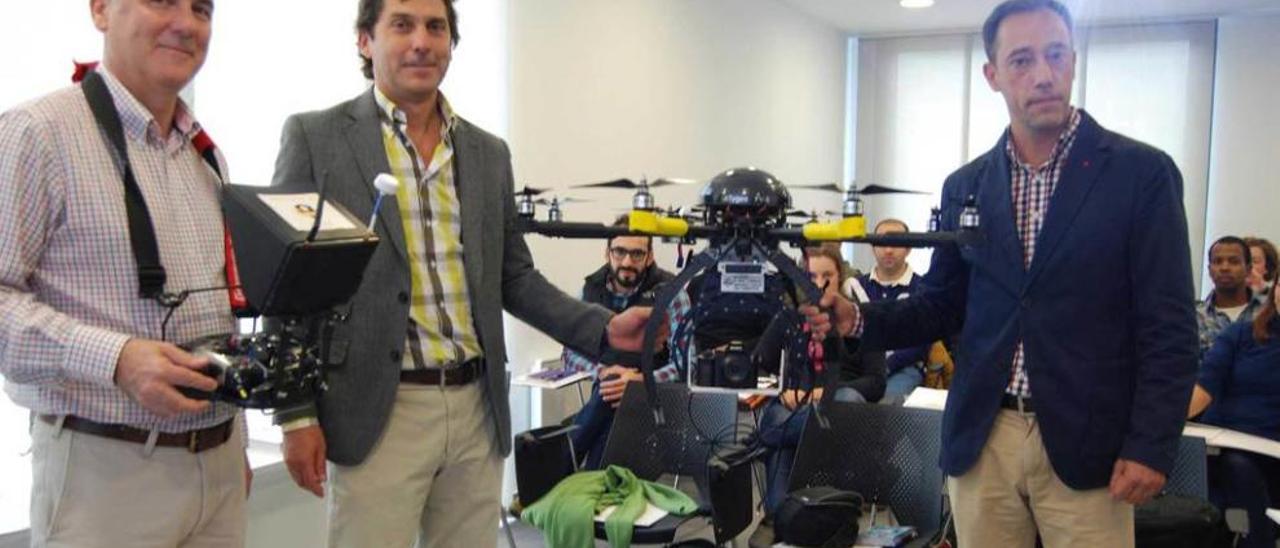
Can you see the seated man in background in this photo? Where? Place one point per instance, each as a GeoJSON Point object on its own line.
{"type": "Point", "coordinates": [630, 277]}
{"type": "Point", "coordinates": [1262, 255]}
{"type": "Point", "coordinates": [862, 379]}
{"type": "Point", "coordinates": [893, 279]}
{"type": "Point", "coordinates": [1239, 388]}
{"type": "Point", "coordinates": [1230, 300]}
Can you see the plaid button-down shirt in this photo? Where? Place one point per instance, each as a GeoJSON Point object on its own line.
{"type": "Point", "coordinates": [443, 331]}
{"type": "Point", "coordinates": [1032, 188]}
{"type": "Point", "coordinates": [68, 284]}
{"type": "Point", "coordinates": [1212, 321]}
{"type": "Point", "coordinates": [676, 314]}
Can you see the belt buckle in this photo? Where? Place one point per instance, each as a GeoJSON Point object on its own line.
{"type": "Point", "coordinates": [193, 441]}
{"type": "Point", "coordinates": [1022, 409]}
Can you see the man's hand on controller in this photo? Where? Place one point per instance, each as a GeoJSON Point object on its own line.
{"type": "Point", "coordinates": [149, 372]}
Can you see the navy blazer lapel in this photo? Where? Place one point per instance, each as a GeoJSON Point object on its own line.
{"type": "Point", "coordinates": [471, 183]}
{"type": "Point", "coordinates": [1084, 164]}
{"type": "Point", "coordinates": [995, 205]}
{"type": "Point", "coordinates": [364, 137]}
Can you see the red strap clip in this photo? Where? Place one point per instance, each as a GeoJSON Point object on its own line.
{"type": "Point", "coordinates": [82, 69]}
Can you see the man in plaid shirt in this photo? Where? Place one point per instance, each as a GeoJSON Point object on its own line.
{"type": "Point", "coordinates": [1075, 310]}
{"type": "Point", "coordinates": [629, 277]}
{"type": "Point", "coordinates": [1230, 301]}
{"type": "Point", "coordinates": [119, 456]}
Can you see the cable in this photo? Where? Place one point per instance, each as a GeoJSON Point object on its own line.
{"type": "Point", "coordinates": [172, 301]}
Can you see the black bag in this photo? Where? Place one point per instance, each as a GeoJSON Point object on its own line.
{"type": "Point", "coordinates": [1176, 521]}
{"type": "Point", "coordinates": [819, 516]}
{"type": "Point", "coordinates": [544, 456]}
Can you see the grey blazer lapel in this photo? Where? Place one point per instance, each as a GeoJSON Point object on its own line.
{"type": "Point", "coordinates": [364, 137]}
{"type": "Point", "coordinates": [472, 183]}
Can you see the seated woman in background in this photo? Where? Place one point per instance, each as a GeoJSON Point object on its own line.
{"type": "Point", "coordinates": [1263, 274]}
{"type": "Point", "coordinates": [1239, 388]}
{"type": "Point", "coordinates": [862, 379]}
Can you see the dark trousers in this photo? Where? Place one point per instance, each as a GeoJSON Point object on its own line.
{"type": "Point", "coordinates": [779, 431]}
{"type": "Point", "coordinates": [593, 421]}
{"type": "Point", "coordinates": [1240, 479]}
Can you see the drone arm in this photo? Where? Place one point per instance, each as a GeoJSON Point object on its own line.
{"type": "Point", "coordinates": [648, 222]}
{"type": "Point", "coordinates": [844, 229]}
{"type": "Point", "coordinates": [572, 230]}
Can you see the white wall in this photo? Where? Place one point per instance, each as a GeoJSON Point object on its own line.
{"type": "Point", "coordinates": [665, 88]}
{"type": "Point", "coordinates": [1244, 182]}
{"type": "Point", "coordinates": [245, 91]}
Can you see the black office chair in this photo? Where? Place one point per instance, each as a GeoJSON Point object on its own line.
{"type": "Point", "coordinates": [681, 448]}
{"type": "Point", "coordinates": [888, 454]}
{"type": "Point", "coordinates": [1189, 476]}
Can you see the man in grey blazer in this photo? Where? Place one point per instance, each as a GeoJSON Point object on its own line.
{"type": "Point", "coordinates": [416, 420]}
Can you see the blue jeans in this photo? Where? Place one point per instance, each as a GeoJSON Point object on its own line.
{"type": "Point", "coordinates": [1239, 479]}
{"type": "Point", "coordinates": [780, 430]}
{"type": "Point", "coordinates": [593, 421]}
{"type": "Point", "coordinates": [902, 382]}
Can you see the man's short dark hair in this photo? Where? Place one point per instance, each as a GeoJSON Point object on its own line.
{"type": "Point", "coordinates": [1234, 240]}
{"type": "Point", "coordinates": [891, 221]}
{"type": "Point", "coordinates": [367, 17]}
{"type": "Point", "coordinates": [624, 221]}
{"type": "Point", "coordinates": [1014, 7]}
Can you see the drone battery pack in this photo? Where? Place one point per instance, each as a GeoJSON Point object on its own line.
{"type": "Point", "coordinates": [284, 269]}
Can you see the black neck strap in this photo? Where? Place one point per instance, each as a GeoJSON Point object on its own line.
{"type": "Point", "coordinates": [142, 233]}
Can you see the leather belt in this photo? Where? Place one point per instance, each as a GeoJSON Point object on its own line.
{"type": "Point", "coordinates": [1017, 403]}
{"type": "Point", "coordinates": [194, 441]}
{"type": "Point", "coordinates": [453, 376]}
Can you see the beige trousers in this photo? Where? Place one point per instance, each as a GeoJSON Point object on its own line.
{"type": "Point", "coordinates": [1012, 492]}
{"type": "Point", "coordinates": [434, 476]}
{"type": "Point", "coordinates": [89, 491]}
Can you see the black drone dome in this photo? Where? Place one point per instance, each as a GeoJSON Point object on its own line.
{"type": "Point", "coordinates": [746, 191]}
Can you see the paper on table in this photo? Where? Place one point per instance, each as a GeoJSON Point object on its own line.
{"type": "Point", "coordinates": [535, 382]}
{"type": "Point", "coordinates": [1233, 439]}
{"type": "Point", "coordinates": [927, 398]}
{"type": "Point", "coordinates": [299, 210]}
{"type": "Point", "coordinates": [1214, 436]}
{"type": "Point", "coordinates": [650, 516]}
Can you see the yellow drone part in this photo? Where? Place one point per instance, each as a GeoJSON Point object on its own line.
{"type": "Point", "coordinates": [844, 229]}
{"type": "Point", "coordinates": [648, 222]}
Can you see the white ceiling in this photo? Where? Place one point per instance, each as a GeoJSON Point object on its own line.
{"type": "Point", "coordinates": [886, 17]}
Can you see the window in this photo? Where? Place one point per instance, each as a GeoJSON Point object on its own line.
{"type": "Point", "coordinates": [920, 117]}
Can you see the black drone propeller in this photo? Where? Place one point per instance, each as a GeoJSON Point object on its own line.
{"type": "Point", "coordinates": [630, 184]}
{"type": "Point", "coordinates": [545, 201]}
{"type": "Point", "coordinates": [868, 190]}
{"type": "Point", "coordinates": [530, 191]}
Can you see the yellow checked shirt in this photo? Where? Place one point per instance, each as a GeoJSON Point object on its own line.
{"type": "Point", "coordinates": [442, 332]}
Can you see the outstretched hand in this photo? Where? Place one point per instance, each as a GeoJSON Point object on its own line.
{"type": "Point", "coordinates": [841, 310]}
{"type": "Point", "coordinates": [626, 330]}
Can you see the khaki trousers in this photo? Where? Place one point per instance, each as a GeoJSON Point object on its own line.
{"type": "Point", "coordinates": [434, 476]}
{"type": "Point", "coordinates": [89, 491]}
{"type": "Point", "coordinates": [1012, 492]}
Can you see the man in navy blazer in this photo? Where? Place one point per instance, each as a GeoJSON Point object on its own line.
{"type": "Point", "coordinates": [1078, 333]}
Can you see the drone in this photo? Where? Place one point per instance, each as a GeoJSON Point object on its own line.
{"type": "Point", "coordinates": [742, 275]}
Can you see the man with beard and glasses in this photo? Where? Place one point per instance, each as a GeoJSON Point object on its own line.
{"type": "Point", "coordinates": [628, 278]}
